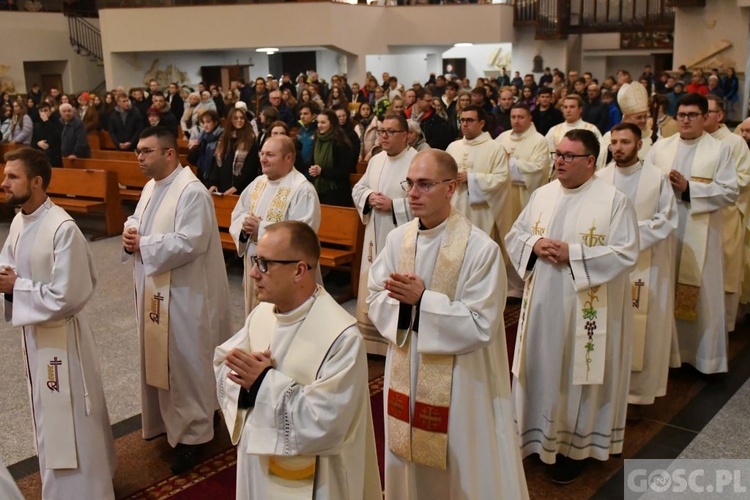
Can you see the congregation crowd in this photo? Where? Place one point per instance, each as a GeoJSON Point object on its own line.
{"type": "Point", "coordinates": [614, 213]}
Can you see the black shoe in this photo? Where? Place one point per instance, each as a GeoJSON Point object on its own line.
{"type": "Point", "coordinates": [186, 457]}
{"type": "Point", "coordinates": [217, 418]}
{"type": "Point", "coordinates": [565, 470]}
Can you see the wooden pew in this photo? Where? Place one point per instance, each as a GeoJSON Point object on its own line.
{"type": "Point", "coordinates": [4, 148]}
{"type": "Point", "coordinates": [87, 192]}
{"type": "Point", "coordinates": [362, 167]}
{"type": "Point", "coordinates": [341, 234]}
{"type": "Point", "coordinates": [127, 174]}
{"type": "Point", "coordinates": [223, 205]}
{"type": "Point", "coordinates": [113, 154]}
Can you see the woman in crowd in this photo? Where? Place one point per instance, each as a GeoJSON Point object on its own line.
{"type": "Point", "coordinates": [439, 108]}
{"type": "Point", "coordinates": [191, 115]}
{"type": "Point", "coordinates": [279, 128]}
{"type": "Point", "coordinates": [528, 97]}
{"type": "Point", "coordinates": [332, 155]}
{"type": "Point", "coordinates": [236, 161]}
{"type": "Point", "coordinates": [21, 126]}
{"type": "Point", "coordinates": [106, 109]}
{"type": "Point", "coordinates": [415, 137]}
{"type": "Point", "coordinates": [397, 105]}
{"type": "Point", "coordinates": [288, 99]}
{"type": "Point", "coordinates": [342, 113]}
{"type": "Point", "coordinates": [32, 110]}
{"type": "Point", "coordinates": [6, 116]}
{"type": "Point", "coordinates": [262, 125]}
{"type": "Point", "coordinates": [337, 98]}
{"type": "Point", "coordinates": [368, 130]}
{"type": "Point", "coordinates": [304, 96]}
{"type": "Point", "coordinates": [463, 100]}
{"type": "Point", "coordinates": [380, 103]}
{"type": "Point", "coordinates": [202, 153]}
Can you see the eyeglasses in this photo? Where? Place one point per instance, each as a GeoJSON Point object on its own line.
{"type": "Point", "coordinates": [263, 263]}
{"type": "Point", "coordinates": [422, 186]}
{"type": "Point", "coordinates": [388, 133]}
{"type": "Point", "coordinates": [468, 121]}
{"type": "Point", "coordinates": [145, 151]}
{"type": "Point", "coordinates": [566, 157]}
{"type": "Point", "coordinates": [690, 116]}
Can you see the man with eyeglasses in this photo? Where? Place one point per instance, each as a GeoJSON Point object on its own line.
{"type": "Point", "coordinates": [704, 179]}
{"type": "Point", "coordinates": [285, 113]}
{"type": "Point", "coordinates": [735, 217]}
{"type": "Point", "coordinates": [529, 169]}
{"type": "Point", "coordinates": [182, 298]}
{"type": "Point", "coordinates": [382, 206]}
{"type": "Point", "coordinates": [482, 194]}
{"type": "Point", "coordinates": [281, 193]}
{"type": "Point", "coordinates": [292, 383]}
{"type": "Point", "coordinates": [652, 281]}
{"type": "Point", "coordinates": [437, 292]}
{"type": "Point", "coordinates": [574, 245]}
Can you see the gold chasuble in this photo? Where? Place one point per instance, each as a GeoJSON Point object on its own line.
{"type": "Point", "coordinates": [695, 244]}
{"type": "Point", "coordinates": [646, 203]}
{"type": "Point", "coordinates": [422, 437]}
{"type": "Point", "coordinates": [589, 352]}
{"type": "Point", "coordinates": [56, 404]}
{"type": "Point", "coordinates": [157, 287]}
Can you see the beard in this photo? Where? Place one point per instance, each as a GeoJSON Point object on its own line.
{"type": "Point", "coordinates": [17, 200]}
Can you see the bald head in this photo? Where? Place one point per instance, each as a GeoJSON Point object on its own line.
{"type": "Point", "coordinates": [745, 130]}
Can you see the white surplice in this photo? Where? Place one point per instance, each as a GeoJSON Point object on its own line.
{"type": "Point", "coordinates": [483, 460]}
{"type": "Point", "coordinates": [199, 317]}
{"type": "Point", "coordinates": [554, 415]}
{"type": "Point", "coordinates": [384, 175]}
{"type": "Point", "coordinates": [8, 487]}
{"type": "Point", "coordinates": [703, 343]}
{"type": "Point", "coordinates": [656, 236]}
{"type": "Point", "coordinates": [735, 222]}
{"type": "Point", "coordinates": [303, 206]}
{"type": "Point", "coordinates": [329, 418]}
{"type": "Point", "coordinates": [73, 282]}
{"type": "Point", "coordinates": [529, 169]}
{"type": "Point", "coordinates": [556, 133]}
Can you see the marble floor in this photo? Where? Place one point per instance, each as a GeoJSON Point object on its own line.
{"type": "Point", "coordinates": [701, 417]}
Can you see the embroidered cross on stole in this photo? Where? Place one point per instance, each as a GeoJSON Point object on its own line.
{"type": "Point", "coordinates": [421, 436]}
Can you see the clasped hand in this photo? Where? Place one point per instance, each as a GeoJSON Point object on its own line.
{"type": "Point", "coordinates": [407, 288]}
{"type": "Point", "coordinates": [247, 366]}
{"type": "Point", "coordinates": [554, 251]}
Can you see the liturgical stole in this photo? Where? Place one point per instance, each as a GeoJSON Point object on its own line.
{"type": "Point", "coordinates": [291, 476]}
{"type": "Point", "coordinates": [423, 437]}
{"type": "Point", "coordinates": [646, 203]}
{"type": "Point", "coordinates": [52, 360]}
{"type": "Point", "coordinates": [592, 227]}
{"type": "Point", "coordinates": [695, 244]}
{"type": "Point", "coordinates": [276, 213]}
{"type": "Point", "coordinates": [157, 287]}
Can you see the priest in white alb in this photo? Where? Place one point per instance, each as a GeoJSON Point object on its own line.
{"type": "Point", "coordinates": [382, 206]}
{"type": "Point", "coordinates": [572, 109]}
{"type": "Point", "coordinates": [182, 298]}
{"type": "Point", "coordinates": [437, 293]}
{"type": "Point", "coordinates": [633, 101]}
{"type": "Point", "coordinates": [574, 244]}
{"type": "Point", "coordinates": [703, 176]}
{"type": "Point", "coordinates": [292, 383]}
{"type": "Point", "coordinates": [47, 276]}
{"type": "Point", "coordinates": [735, 217]}
{"type": "Point", "coordinates": [652, 281]}
{"type": "Point", "coordinates": [528, 155]}
{"type": "Point", "coordinates": [281, 193]}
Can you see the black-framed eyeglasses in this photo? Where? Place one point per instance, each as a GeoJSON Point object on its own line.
{"type": "Point", "coordinates": [566, 157]}
{"type": "Point", "coordinates": [468, 121]}
{"type": "Point", "coordinates": [692, 116]}
{"type": "Point", "coordinates": [146, 151]}
{"type": "Point", "coordinates": [422, 186]}
{"type": "Point", "coordinates": [263, 263]}
{"type": "Point", "coordinates": [388, 133]}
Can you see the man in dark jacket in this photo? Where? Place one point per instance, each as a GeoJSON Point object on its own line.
{"type": "Point", "coordinates": [176, 104]}
{"type": "Point", "coordinates": [167, 119]}
{"type": "Point", "coordinates": [437, 131]}
{"type": "Point", "coordinates": [125, 124]}
{"type": "Point", "coordinates": [47, 135]}
{"type": "Point", "coordinates": [73, 143]}
{"type": "Point", "coordinates": [545, 115]}
{"type": "Point", "coordinates": [286, 115]}
{"type": "Point", "coordinates": [594, 110]}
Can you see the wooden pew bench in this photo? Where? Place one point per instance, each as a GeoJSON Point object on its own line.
{"type": "Point", "coordinates": [341, 233]}
{"type": "Point", "coordinates": [223, 205]}
{"type": "Point", "coordinates": [87, 192]}
{"type": "Point", "coordinates": [127, 174]}
{"type": "Point", "coordinates": [111, 154]}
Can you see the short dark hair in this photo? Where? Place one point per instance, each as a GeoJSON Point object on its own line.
{"type": "Point", "coordinates": [402, 123]}
{"type": "Point", "coordinates": [309, 105]}
{"type": "Point", "coordinates": [521, 105]}
{"type": "Point", "coordinates": [301, 237]}
{"type": "Point", "coordinates": [635, 129]}
{"type": "Point", "coordinates": [162, 134]}
{"type": "Point", "coordinates": [452, 85]}
{"type": "Point", "coordinates": [693, 99]}
{"type": "Point", "coordinates": [35, 162]}
{"type": "Point", "coordinates": [544, 90]}
{"type": "Point", "coordinates": [479, 110]}
{"type": "Point", "coordinates": [210, 113]}
{"type": "Point", "coordinates": [587, 138]}
{"type": "Point", "coordinates": [157, 93]}
{"type": "Point", "coordinates": [718, 100]}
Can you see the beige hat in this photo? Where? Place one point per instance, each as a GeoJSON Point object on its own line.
{"type": "Point", "coordinates": [632, 98]}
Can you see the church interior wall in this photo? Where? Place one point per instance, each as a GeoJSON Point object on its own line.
{"type": "Point", "coordinates": [553, 52]}
{"type": "Point", "coordinates": [30, 37]}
